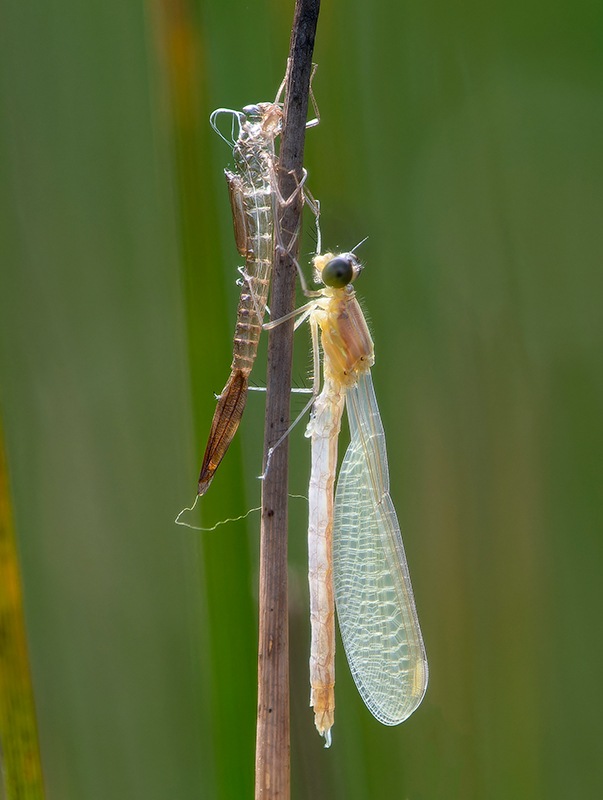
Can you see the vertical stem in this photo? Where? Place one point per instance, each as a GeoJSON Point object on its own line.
{"type": "Point", "coordinates": [272, 767]}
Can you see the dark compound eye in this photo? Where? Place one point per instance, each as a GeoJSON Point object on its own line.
{"type": "Point", "coordinates": [338, 272]}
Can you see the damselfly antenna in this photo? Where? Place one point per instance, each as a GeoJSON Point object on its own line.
{"type": "Point", "coordinates": [353, 250]}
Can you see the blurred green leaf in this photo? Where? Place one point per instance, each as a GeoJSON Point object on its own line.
{"type": "Point", "coordinates": [21, 766]}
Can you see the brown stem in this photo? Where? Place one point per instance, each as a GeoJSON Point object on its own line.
{"type": "Point", "coordinates": [272, 768]}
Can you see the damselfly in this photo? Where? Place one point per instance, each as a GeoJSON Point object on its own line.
{"type": "Point", "coordinates": [356, 555]}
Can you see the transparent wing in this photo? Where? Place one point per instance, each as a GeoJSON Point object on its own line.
{"type": "Point", "coordinates": [375, 604]}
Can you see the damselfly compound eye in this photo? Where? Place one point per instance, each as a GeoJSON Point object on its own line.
{"type": "Point", "coordinates": [338, 272]}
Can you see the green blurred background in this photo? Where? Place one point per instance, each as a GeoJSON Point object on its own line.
{"type": "Point", "coordinates": [466, 141]}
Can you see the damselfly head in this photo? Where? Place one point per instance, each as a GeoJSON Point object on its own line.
{"type": "Point", "coordinates": [337, 271]}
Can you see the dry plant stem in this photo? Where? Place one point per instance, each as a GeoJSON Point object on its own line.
{"type": "Point", "coordinates": [272, 767]}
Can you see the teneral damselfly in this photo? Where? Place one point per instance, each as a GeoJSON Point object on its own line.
{"type": "Point", "coordinates": [356, 556]}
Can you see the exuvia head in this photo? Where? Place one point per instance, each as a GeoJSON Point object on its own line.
{"type": "Point", "coordinates": [254, 110]}
{"type": "Point", "coordinates": [270, 115]}
{"type": "Point", "coordinates": [337, 271]}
